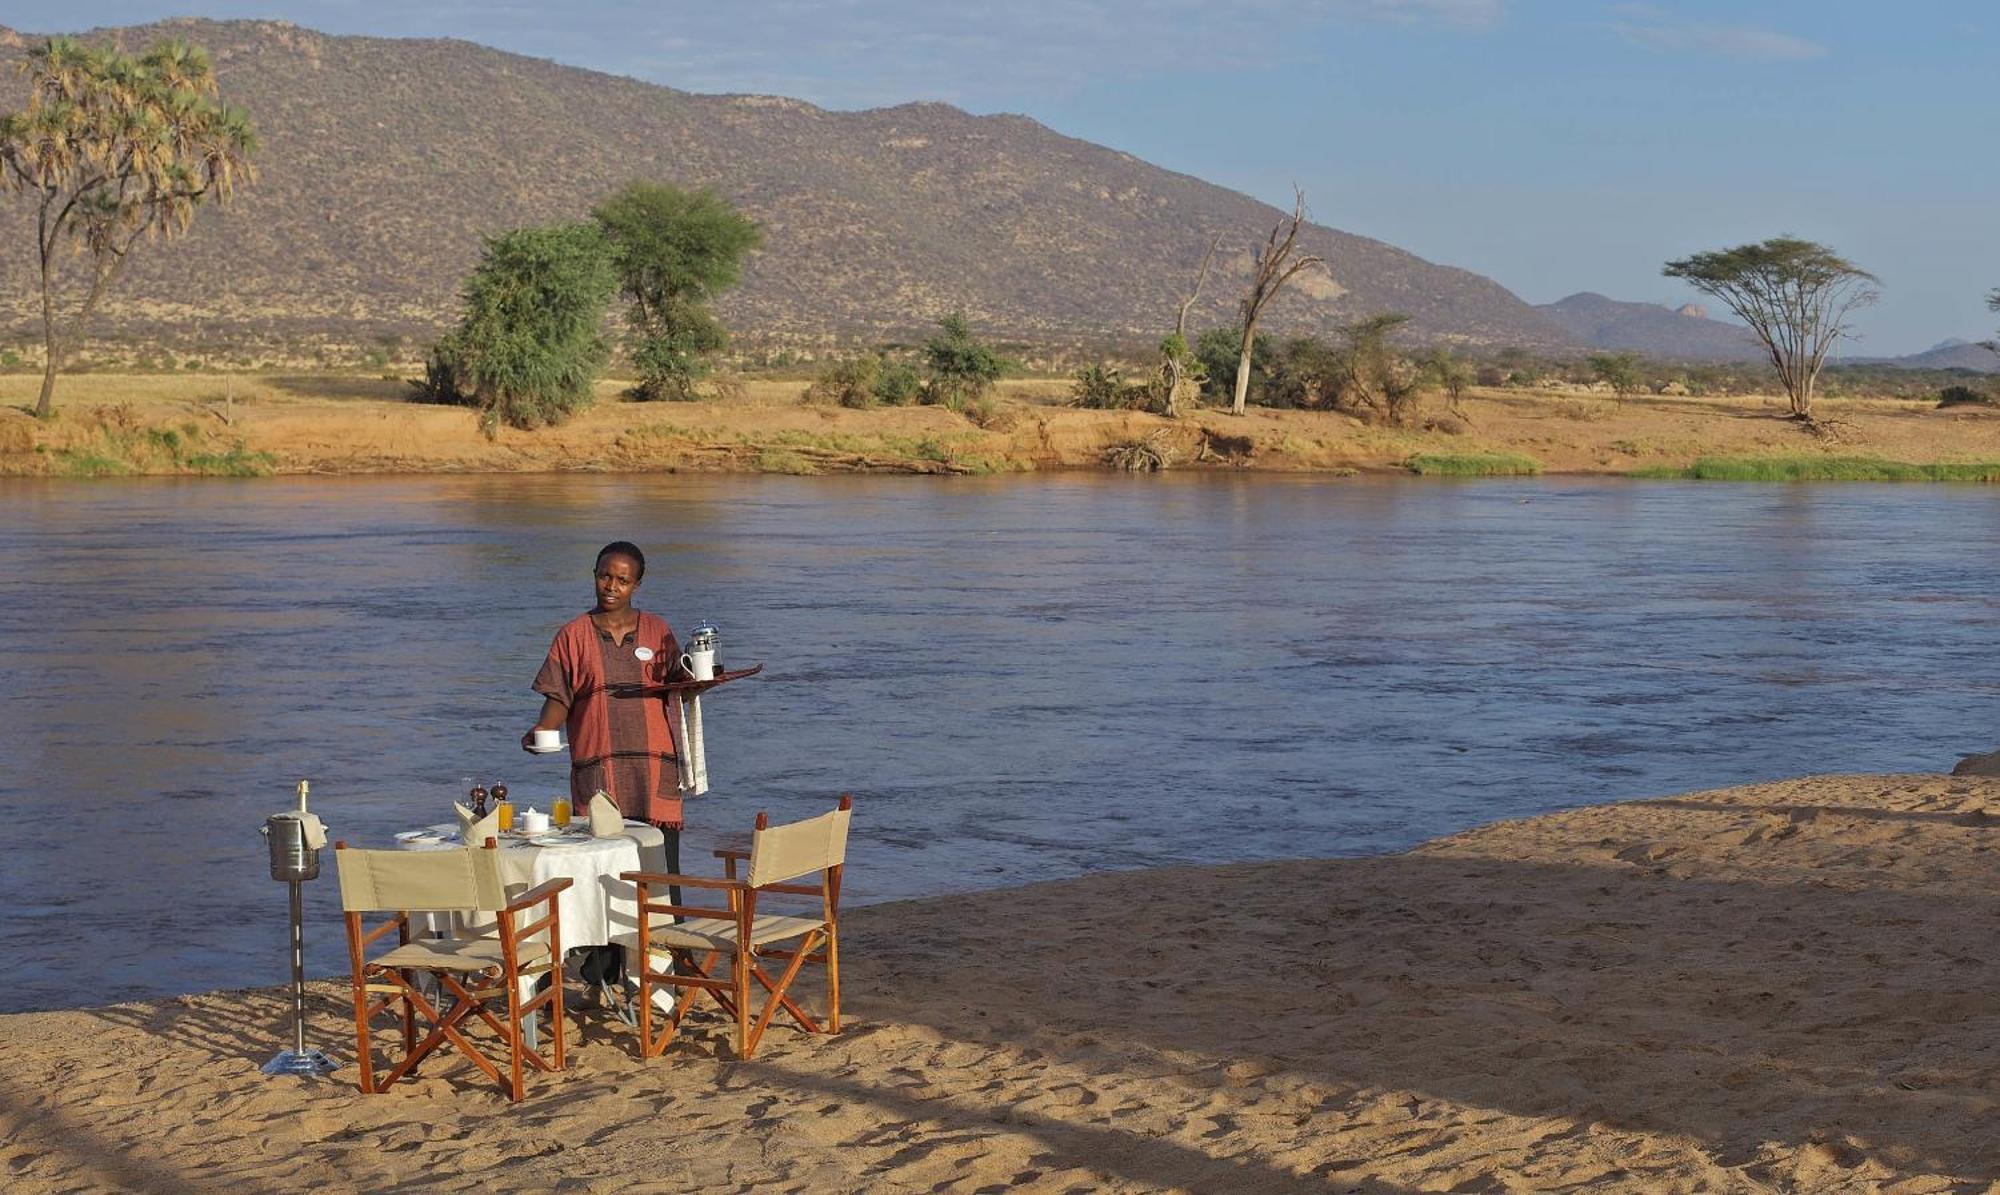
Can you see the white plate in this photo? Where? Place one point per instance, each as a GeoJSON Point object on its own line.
{"type": "Point", "coordinates": [534, 750]}
{"type": "Point", "coordinates": [560, 838]}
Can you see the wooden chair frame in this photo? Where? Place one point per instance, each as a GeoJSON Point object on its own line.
{"type": "Point", "coordinates": [820, 944]}
{"type": "Point", "coordinates": [395, 985]}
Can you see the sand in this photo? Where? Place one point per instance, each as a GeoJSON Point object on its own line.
{"type": "Point", "coordinates": [335, 424]}
{"type": "Point", "coordinates": [1782, 987]}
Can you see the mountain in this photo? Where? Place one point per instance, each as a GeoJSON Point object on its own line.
{"type": "Point", "coordinates": [1664, 333]}
{"type": "Point", "coordinates": [385, 161]}
{"type": "Point", "coordinates": [1688, 335]}
{"type": "Point", "coordinates": [1946, 354]}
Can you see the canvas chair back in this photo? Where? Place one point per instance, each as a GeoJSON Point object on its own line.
{"type": "Point", "coordinates": [780, 853]}
{"type": "Point", "coordinates": [465, 880]}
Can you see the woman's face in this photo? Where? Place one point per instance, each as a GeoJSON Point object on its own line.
{"type": "Point", "coordinates": [617, 580]}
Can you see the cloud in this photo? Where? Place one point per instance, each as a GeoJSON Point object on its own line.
{"type": "Point", "coordinates": [1645, 25]}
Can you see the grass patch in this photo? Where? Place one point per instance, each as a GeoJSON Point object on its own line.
{"type": "Point", "coordinates": [117, 449]}
{"type": "Point", "coordinates": [1822, 468]}
{"type": "Point", "coordinates": [83, 462]}
{"type": "Point", "coordinates": [234, 463]}
{"type": "Point", "coordinates": [1473, 464]}
{"type": "Point", "coordinates": [777, 460]}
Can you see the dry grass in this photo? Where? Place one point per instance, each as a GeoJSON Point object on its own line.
{"type": "Point", "coordinates": [364, 423]}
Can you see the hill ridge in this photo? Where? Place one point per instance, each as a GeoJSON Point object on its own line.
{"type": "Point", "coordinates": [385, 160]}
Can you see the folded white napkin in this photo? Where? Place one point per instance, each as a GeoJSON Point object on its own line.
{"type": "Point", "coordinates": [473, 830]}
{"type": "Point", "coordinates": [313, 829]}
{"type": "Point", "coordinates": [605, 820]}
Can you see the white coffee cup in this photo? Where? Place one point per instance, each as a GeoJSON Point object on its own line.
{"type": "Point", "coordinates": [700, 665]}
{"type": "Point", "coordinates": [548, 740]}
{"type": "Point", "coordinates": [532, 821]}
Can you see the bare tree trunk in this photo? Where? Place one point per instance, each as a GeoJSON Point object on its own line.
{"type": "Point", "coordinates": [50, 354]}
{"type": "Point", "coordinates": [1243, 369]}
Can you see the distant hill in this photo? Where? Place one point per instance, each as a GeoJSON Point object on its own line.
{"type": "Point", "coordinates": [1651, 330]}
{"type": "Point", "coordinates": [1946, 354]}
{"type": "Point", "coordinates": [385, 161]}
{"type": "Point", "coordinates": [1687, 334]}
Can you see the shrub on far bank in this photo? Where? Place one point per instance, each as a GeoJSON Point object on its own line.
{"type": "Point", "coordinates": [961, 365]}
{"type": "Point", "coordinates": [1964, 396]}
{"type": "Point", "coordinates": [1101, 387]}
{"type": "Point", "coordinates": [849, 382]}
{"type": "Point", "coordinates": [861, 382]}
{"type": "Point", "coordinates": [899, 384]}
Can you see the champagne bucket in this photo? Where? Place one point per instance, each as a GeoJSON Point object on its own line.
{"type": "Point", "coordinates": [291, 859]}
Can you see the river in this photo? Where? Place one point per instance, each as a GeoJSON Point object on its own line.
{"type": "Point", "coordinates": [1020, 679]}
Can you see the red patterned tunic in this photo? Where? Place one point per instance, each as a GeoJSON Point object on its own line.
{"type": "Point", "coordinates": [620, 734]}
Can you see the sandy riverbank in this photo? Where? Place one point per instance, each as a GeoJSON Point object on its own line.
{"type": "Point", "coordinates": [112, 425]}
{"type": "Point", "coordinates": [1781, 987]}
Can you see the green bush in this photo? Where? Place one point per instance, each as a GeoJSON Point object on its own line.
{"type": "Point", "coordinates": [1960, 396]}
{"type": "Point", "coordinates": [850, 382]}
{"type": "Point", "coordinates": [898, 384]}
{"type": "Point", "coordinates": [531, 343]}
{"type": "Point", "coordinates": [961, 365]}
{"type": "Point", "coordinates": [1100, 387]}
{"type": "Point", "coordinates": [1217, 349]}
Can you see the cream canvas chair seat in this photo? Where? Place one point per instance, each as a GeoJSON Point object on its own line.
{"type": "Point", "coordinates": [815, 848]}
{"type": "Point", "coordinates": [456, 954]}
{"type": "Point", "coordinates": [471, 971]}
{"type": "Point", "coordinates": [713, 934]}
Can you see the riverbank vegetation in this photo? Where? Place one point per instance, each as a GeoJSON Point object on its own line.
{"type": "Point", "coordinates": [357, 423]}
{"type": "Point", "coordinates": [1828, 468]}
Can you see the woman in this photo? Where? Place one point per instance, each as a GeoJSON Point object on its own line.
{"type": "Point", "coordinates": [602, 682]}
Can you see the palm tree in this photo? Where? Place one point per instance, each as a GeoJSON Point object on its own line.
{"type": "Point", "coordinates": [112, 148]}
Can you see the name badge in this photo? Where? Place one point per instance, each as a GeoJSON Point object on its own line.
{"type": "Point", "coordinates": [644, 653]}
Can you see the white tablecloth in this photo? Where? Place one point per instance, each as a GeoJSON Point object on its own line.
{"type": "Point", "coordinates": [598, 908]}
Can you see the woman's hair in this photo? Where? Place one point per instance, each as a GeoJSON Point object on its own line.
{"type": "Point", "coordinates": [621, 548]}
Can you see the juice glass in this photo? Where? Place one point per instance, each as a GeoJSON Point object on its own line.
{"type": "Point", "coordinates": [560, 814]}
{"type": "Point", "coordinates": [506, 809]}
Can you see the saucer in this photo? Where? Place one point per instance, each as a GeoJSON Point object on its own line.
{"type": "Point", "coordinates": [556, 750]}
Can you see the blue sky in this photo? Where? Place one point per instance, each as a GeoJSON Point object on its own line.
{"type": "Point", "coordinates": [1555, 145]}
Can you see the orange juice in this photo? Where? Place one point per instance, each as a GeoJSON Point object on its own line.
{"type": "Point", "coordinates": [561, 813]}
{"type": "Point", "coordinates": [506, 809]}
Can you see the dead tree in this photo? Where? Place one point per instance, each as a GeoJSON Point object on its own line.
{"type": "Point", "coordinates": [1275, 266]}
{"type": "Point", "coordinates": [1177, 360]}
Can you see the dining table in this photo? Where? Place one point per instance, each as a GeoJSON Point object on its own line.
{"type": "Point", "coordinates": [597, 909]}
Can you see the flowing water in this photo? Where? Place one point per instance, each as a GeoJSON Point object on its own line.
{"type": "Point", "coordinates": [1019, 679]}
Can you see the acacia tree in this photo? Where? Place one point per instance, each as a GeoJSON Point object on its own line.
{"type": "Point", "coordinates": [1443, 369]}
{"type": "Point", "coordinates": [676, 251]}
{"type": "Point", "coordinates": [531, 342]}
{"type": "Point", "coordinates": [1992, 304]}
{"type": "Point", "coordinates": [1273, 266]}
{"type": "Point", "coordinates": [1373, 377]}
{"type": "Point", "coordinates": [1620, 371]}
{"type": "Point", "coordinates": [112, 148]}
{"type": "Point", "coordinates": [1796, 295]}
